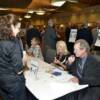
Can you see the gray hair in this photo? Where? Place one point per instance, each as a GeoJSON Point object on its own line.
{"type": "Point", "coordinates": [83, 44]}
{"type": "Point", "coordinates": [50, 22]}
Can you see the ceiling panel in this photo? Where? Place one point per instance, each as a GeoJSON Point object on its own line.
{"type": "Point", "coordinates": [14, 3]}
{"type": "Point", "coordinates": [90, 2]}
{"type": "Point", "coordinates": [22, 6]}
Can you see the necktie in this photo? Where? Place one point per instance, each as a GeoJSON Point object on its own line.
{"type": "Point", "coordinates": [79, 68]}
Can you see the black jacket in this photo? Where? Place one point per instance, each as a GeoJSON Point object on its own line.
{"type": "Point", "coordinates": [85, 34]}
{"type": "Point", "coordinates": [90, 72]}
{"type": "Point", "coordinates": [90, 76]}
{"type": "Point", "coordinates": [11, 83]}
{"type": "Point", "coordinates": [10, 56]}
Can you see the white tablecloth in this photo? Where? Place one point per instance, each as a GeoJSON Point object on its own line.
{"type": "Point", "coordinates": [47, 86]}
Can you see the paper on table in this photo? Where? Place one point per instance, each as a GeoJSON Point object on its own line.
{"type": "Point", "coordinates": [61, 89]}
{"type": "Point", "coordinates": [56, 70]}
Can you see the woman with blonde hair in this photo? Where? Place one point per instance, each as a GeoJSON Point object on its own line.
{"type": "Point", "coordinates": [62, 54]}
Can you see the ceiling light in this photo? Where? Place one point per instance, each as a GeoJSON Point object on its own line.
{"type": "Point", "coordinates": [20, 18]}
{"type": "Point", "coordinates": [58, 2]}
{"type": "Point", "coordinates": [73, 1]}
{"type": "Point", "coordinates": [27, 16]}
{"type": "Point", "coordinates": [4, 9]}
{"type": "Point", "coordinates": [40, 12]}
{"type": "Point", "coordinates": [61, 25]}
{"type": "Point", "coordinates": [30, 11]}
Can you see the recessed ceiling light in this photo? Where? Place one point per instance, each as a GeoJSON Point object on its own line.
{"type": "Point", "coordinates": [20, 18]}
{"type": "Point", "coordinates": [30, 11]}
{"type": "Point", "coordinates": [40, 12]}
{"type": "Point", "coordinates": [73, 1]}
{"type": "Point", "coordinates": [27, 16]}
{"type": "Point", "coordinates": [4, 9]}
{"type": "Point", "coordinates": [58, 2]}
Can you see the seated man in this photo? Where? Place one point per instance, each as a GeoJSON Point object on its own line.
{"type": "Point", "coordinates": [86, 71]}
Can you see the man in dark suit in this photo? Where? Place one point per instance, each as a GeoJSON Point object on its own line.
{"type": "Point", "coordinates": [85, 33]}
{"type": "Point", "coordinates": [86, 71]}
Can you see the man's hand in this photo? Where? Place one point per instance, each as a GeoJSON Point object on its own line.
{"type": "Point", "coordinates": [71, 59]}
{"type": "Point", "coordinates": [74, 80]}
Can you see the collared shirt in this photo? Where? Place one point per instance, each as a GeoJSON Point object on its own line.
{"type": "Point", "coordinates": [80, 66]}
{"type": "Point", "coordinates": [83, 61]}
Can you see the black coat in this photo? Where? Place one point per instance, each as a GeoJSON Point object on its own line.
{"type": "Point", "coordinates": [85, 34]}
{"type": "Point", "coordinates": [12, 84]}
{"type": "Point", "coordinates": [90, 72]}
{"type": "Point", "coordinates": [90, 76]}
{"type": "Point", "coordinates": [10, 56]}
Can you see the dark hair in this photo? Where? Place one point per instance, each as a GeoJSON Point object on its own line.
{"type": "Point", "coordinates": [5, 26]}
{"type": "Point", "coordinates": [37, 40]}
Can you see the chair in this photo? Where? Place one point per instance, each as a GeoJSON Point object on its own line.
{"type": "Point", "coordinates": [50, 54]}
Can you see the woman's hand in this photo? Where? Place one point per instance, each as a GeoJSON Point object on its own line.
{"type": "Point", "coordinates": [60, 65]}
{"type": "Point", "coordinates": [56, 61]}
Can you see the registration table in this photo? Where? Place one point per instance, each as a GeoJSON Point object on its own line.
{"type": "Point", "coordinates": [46, 86]}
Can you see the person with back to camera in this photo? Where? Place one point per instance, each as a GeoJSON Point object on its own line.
{"type": "Point", "coordinates": [12, 81]}
{"type": "Point", "coordinates": [62, 54]}
{"type": "Point", "coordinates": [50, 39]}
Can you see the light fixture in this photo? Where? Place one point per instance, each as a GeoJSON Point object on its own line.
{"type": "Point", "coordinates": [20, 18]}
{"type": "Point", "coordinates": [4, 9]}
{"type": "Point", "coordinates": [40, 12]}
{"type": "Point", "coordinates": [61, 25]}
{"type": "Point", "coordinates": [73, 1]}
{"type": "Point", "coordinates": [27, 16]}
{"type": "Point", "coordinates": [30, 11]}
{"type": "Point", "coordinates": [58, 2]}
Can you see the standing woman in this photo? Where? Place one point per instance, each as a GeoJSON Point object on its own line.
{"type": "Point", "coordinates": [12, 81]}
